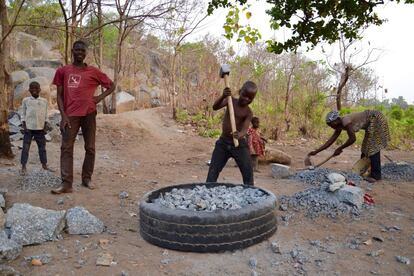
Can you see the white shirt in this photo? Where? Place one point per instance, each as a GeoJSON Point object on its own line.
{"type": "Point", "coordinates": [34, 112]}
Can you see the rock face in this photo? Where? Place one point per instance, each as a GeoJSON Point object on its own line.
{"type": "Point", "coordinates": [280, 171]}
{"type": "Point", "coordinates": [22, 90]}
{"type": "Point", "coordinates": [9, 249]}
{"type": "Point", "coordinates": [34, 225]}
{"type": "Point", "coordinates": [46, 72]}
{"type": "Point", "coordinates": [124, 102]}
{"type": "Point", "coordinates": [351, 195]}
{"type": "Point", "coordinates": [80, 222]}
{"type": "Point", "coordinates": [27, 46]}
{"type": "Point", "coordinates": [18, 77]}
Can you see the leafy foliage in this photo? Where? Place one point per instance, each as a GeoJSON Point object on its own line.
{"type": "Point", "coordinates": [312, 22]}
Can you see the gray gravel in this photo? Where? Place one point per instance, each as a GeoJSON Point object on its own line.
{"type": "Point", "coordinates": [398, 171]}
{"type": "Point", "coordinates": [203, 198]}
{"type": "Point", "coordinates": [38, 180]}
{"type": "Point", "coordinates": [317, 201]}
{"type": "Point", "coordinates": [319, 175]}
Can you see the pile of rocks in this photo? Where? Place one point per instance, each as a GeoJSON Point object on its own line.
{"type": "Point", "coordinates": [28, 225]}
{"type": "Point", "coordinates": [401, 171]}
{"type": "Point", "coordinates": [320, 175]}
{"type": "Point", "coordinates": [203, 198]}
{"type": "Point", "coordinates": [38, 180]}
{"type": "Point", "coordinates": [332, 198]}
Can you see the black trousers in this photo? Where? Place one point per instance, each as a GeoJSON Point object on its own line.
{"type": "Point", "coordinates": [375, 165]}
{"type": "Point", "coordinates": [39, 137]}
{"type": "Point", "coordinates": [225, 150]}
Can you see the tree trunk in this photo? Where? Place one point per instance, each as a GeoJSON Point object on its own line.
{"type": "Point", "coordinates": [66, 47]}
{"type": "Point", "coordinates": [105, 108]}
{"type": "Point", "coordinates": [5, 145]}
{"type": "Point", "coordinates": [117, 65]}
{"type": "Point", "coordinates": [341, 85]}
{"type": "Point", "coordinates": [286, 112]}
{"type": "Point", "coordinates": [173, 88]}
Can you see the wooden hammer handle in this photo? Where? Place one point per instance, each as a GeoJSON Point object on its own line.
{"type": "Point", "coordinates": [324, 161]}
{"type": "Point", "coordinates": [231, 112]}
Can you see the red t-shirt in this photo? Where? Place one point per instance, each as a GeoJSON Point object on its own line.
{"type": "Point", "coordinates": [79, 86]}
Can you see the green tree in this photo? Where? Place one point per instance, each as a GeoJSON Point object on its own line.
{"type": "Point", "coordinates": [314, 21]}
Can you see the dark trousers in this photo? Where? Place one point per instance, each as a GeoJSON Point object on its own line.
{"type": "Point", "coordinates": [88, 125]}
{"type": "Point", "coordinates": [39, 137]}
{"type": "Point", "coordinates": [225, 150]}
{"type": "Point", "coordinates": [375, 165]}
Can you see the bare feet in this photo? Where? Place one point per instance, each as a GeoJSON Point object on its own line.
{"type": "Point", "coordinates": [23, 171]}
{"type": "Point", "coordinates": [61, 190]}
{"type": "Point", "coordinates": [370, 179]}
{"type": "Point", "coordinates": [88, 184]}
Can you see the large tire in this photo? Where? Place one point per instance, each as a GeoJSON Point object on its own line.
{"type": "Point", "coordinates": [200, 231]}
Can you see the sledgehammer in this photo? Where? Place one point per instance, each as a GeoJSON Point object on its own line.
{"type": "Point", "coordinates": [224, 74]}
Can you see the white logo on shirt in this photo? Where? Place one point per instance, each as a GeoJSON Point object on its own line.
{"type": "Point", "coordinates": [74, 80]}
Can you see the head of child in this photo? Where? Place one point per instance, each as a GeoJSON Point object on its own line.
{"type": "Point", "coordinates": [247, 93]}
{"type": "Point", "coordinates": [255, 122]}
{"type": "Point", "coordinates": [34, 89]}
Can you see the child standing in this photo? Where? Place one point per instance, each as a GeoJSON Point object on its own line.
{"type": "Point", "coordinates": [256, 143]}
{"type": "Point", "coordinates": [225, 148]}
{"type": "Point", "coordinates": [34, 122]}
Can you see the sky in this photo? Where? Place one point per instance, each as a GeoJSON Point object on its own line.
{"type": "Point", "coordinates": [395, 67]}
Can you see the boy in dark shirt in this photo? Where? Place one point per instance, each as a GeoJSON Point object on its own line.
{"type": "Point", "coordinates": [225, 148]}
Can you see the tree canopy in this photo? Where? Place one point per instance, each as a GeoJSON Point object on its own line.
{"type": "Point", "coordinates": [315, 21]}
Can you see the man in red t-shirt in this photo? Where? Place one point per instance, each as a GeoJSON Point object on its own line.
{"type": "Point", "coordinates": [76, 85]}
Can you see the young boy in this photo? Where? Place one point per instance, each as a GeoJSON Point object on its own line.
{"type": "Point", "coordinates": [34, 122]}
{"type": "Point", "coordinates": [256, 143]}
{"type": "Point", "coordinates": [225, 148]}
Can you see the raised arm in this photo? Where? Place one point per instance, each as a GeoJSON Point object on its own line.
{"type": "Point", "coordinates": [222, 100]}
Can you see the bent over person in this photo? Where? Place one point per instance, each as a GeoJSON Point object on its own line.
{"type": "Point", "coordinates": [376, 136]}
{"type": "Point", "coordinates": [76, 85]}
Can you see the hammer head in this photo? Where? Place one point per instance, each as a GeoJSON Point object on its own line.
{"type": "Point", "coordinates": [224, 70]}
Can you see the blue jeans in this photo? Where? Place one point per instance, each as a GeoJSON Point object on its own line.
{"type": "Point", "coordinates": [39, 137]}
{"type": "Point", "coordinates": [225, 150]}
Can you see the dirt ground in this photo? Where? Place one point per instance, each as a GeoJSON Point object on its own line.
{"type": "Point", "coordinates": [145, 150]}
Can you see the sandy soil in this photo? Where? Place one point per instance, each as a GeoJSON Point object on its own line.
{"type": "Point", "coordinates": [145, 150]}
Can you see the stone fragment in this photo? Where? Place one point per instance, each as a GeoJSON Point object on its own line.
{"type": "Point", "coordinates": [80, 222]}
{"type": "Point", "coordinates": [280, 171]}
{"type": "Point", "coordinates": [275, 248]}
{"type": "Point", "coordinates": [34, 225]}
{"type": "Point", "coordinates": [36, 262]}
{"type": "Point", "coordinates": [336, 177]}
{"type": "Point", "coordinates": [123, 195]}
{"type": "Point", "coordinates": [376, 253]}
{"type": "Point", "coordinates": [403, 260]}
{"type": "Point", "coordinates": [43, 258]}
{"type": "Point", "coordinates": [252, 262]}
{"type": "Point", "coordinates": [6, 270]}
{"type": "Point", "coordinates": [378, 239]}
{"type": "Point", "coordinates": [336, 186]}
{"type": "Point", "coordinates": [104, 259]}
{"type": "Point", "coordinates": [9, 249]}
{"type": "Point", "coordinates": [351, 195]}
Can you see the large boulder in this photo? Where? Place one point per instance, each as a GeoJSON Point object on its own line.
{"type": "Point", "coordinates": [27, 47]}
{"type": "Point", "coordinates": [18, 77]}
{"type": "Point", "coordinates": [124, 102]}
{"type": "Point", "coordinates": [22, 90]}
{"type": "Point", "coordinates": [46, 72]}
{"type": "Point", "coordinates": [276, 156]}
{"type": "Point", "coordinates": [80, 222]}
{"type": "Point", "coordinates": [351, 195]}
{"type": "Point", "coordinates": [33, 225]}
{"type": "Point", "coordinates": [9, 249]}
{"type": "Point", "coordinates": [280, 171]}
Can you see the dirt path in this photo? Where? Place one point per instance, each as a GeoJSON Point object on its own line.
{"type": "Point", "coordinates": [145, 150]}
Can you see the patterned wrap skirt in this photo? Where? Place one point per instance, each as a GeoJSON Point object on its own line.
{"type": "Point", "coordinates": [377, 134]}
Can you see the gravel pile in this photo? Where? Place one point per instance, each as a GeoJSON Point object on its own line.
{"type": "Point", "coordinates": [398, 171]}
{"type": "Point", "coordinates": [38, 180]}
{"type": "Point", "coordinates": [317, 201]}
{"type": "Point", "coordinates": [320, 175]}
{"type": "Point", "coordinates": [203, 198]}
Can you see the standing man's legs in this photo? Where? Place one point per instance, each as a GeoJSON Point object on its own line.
{"type": "Point", "coordinates": [241, 155]}
{"type": "Point", "coordinates": [218, 160]}
{"type": "Point", "coordinates": [66, 155]}
{"type": "Point", "coordinates": [27, 140]}
{"type": "Point", "coordinates": [88, 125]}
{"type": "Point", "coordinates": [376, 165]}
